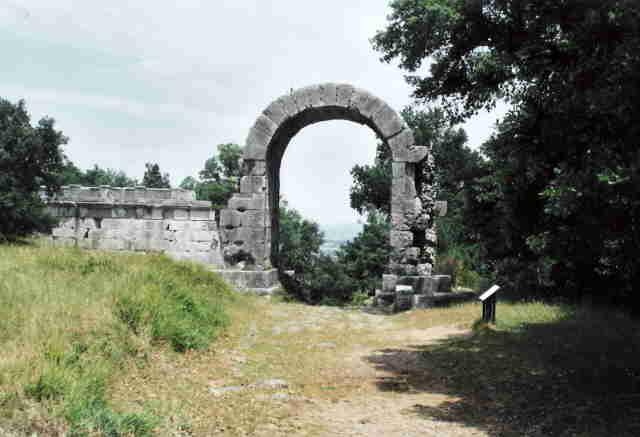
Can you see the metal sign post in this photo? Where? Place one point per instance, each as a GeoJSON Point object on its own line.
{"type": "Point", "coordinates": [488, 299]}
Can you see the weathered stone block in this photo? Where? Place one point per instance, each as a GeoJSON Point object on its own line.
{"type": "Point", "coordinates": [399, 222]}
{"type": "Point", "coordinates": [129, 194]}
{"type": "Point", "coordinates": [308, 97]}
{"type": "Point", "coordinates": [388, 122]}
{"type": "Point", "coordinates": [253, 219]}
{"type": "Point", "coordinates": [343, 94]}
{"type": "Point", "coordinates": [157, 214]}
{"type": "Point", "coordinates": [401, 239]}
{"type": "Point", "coordinates": [201, 236]}
{"type": "Point", "coordinates": [389, 283]}
{"type": "Point", "coordinates": [366, 103]}
{"type": "Point", "coordinates": [244, 202]}
{"type": "Point", "coordinates": [412, 254]}
{"type": "Point", "coordinates": [276, 113]}
{"type": "Point", "coordinates": [259, 137]}
{"type": "Point", "coordinates": [253, 184]}
{"type": "Point", "coordinates": [289, 105]}
{"type": "Point", "coordinates": [180, 214]}
{"type": "Point", "coordinates": [329, 94]}
{"type": "Point", "coordinates": [403, 303]}
{"type": "Point", "coordinates": [230, 218]}
{"type": "Point", "coordinates": [418, 153]}
{"type": "Point", "coordinates": [400, 145]}
{"type": "Point", "coordinates": [254, 167]}
{"type": "Point", "coordinates": [424, 269]}
{"type": "Point", "coordinates": [399, 170]}
{"type": "Point", "coordinates": [421, 301]}
{"type": "Point", "coordinates": [404, 290]}
{"type": "Point", "coordinates": [201, 214]}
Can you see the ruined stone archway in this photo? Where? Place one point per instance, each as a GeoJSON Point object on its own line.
{"type": "Point", "coordinates": [249, 225]}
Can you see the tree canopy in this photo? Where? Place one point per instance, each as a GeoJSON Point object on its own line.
{"type": "Point", "coordinates": [558, 204]}
{"type": "Point", "coordinates": [218, 179]}
{"type": "Point", "coordinates": [95, 176]}
{"type": "Point", "coordinates": [30, 157]}
{"type": "Point", "coordinates": [153, 178]}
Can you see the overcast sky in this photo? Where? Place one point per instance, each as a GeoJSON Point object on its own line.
{"type": "Point", "coordinates": [164, 81]}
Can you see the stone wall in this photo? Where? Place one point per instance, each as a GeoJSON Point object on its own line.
{"type": "Point", "coordinates": [137, 219]}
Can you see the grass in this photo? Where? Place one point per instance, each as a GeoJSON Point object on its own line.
{"type": "Point", "coordinates": [72, 321]}
{"type": "Point", "coordinates": [543, 370]}
{"type": "Point", "coordinates": [109, 344]}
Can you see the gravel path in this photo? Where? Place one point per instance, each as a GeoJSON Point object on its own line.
{"type": "Point", "coordinates": [372, 411]}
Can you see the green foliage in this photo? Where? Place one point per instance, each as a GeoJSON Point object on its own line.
{"type": "Point", "coordinates": [356, 268]}
{"type": "Point", "coordinates": [153, 178]}
{"type": "Point", "coordinates": [372, 184]}
{"type": "Point", "coordinates": [218, 180]}
{"type": "Point", "coordinates": [230, 156]}
{"type": "Point", "coordinates": [188, 183]}
{"type": "Point", "coordinates": [366, 257]}
{"type": "Point", "coordinates": [30, 157]}
{"type": "Point", "coordinates": [456, 166]}
{"type": "Point", "coordinates": [218, 193]}
{"type": "Point", "coordinates": [83, 317]}
{"type": "Point", "coordinates": [299, 241]}
{"type": "Point", "coordinates": [94, 177]}
{"type": "Point", "coordinates": [556, 206]}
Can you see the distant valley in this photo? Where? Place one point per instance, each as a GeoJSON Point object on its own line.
{"type": "Point", "coordinates": [337, 234]}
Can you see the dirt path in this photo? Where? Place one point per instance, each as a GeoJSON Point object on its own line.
{"type": "Point", "coordinates": [373, 365]}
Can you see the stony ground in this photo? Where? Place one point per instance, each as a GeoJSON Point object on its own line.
{"type": "Point", "coordinates": [335, 372]}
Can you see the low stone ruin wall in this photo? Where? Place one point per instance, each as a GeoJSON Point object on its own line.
{"type": "Point", "coordinates": [137, 219]}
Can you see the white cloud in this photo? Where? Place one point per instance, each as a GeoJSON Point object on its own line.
{"type": "Point", "coordinates": [131, 82]}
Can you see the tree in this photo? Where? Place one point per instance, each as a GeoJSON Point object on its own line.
{"type": "Point", "coordinates": [366, 257]}
{"type": "Point", "coordinates": [230, 155]}
{"type": "Point", "coordinates": [95, 176]}
{"type": "Point", "coordinates": [299, 241]}
{"type": "Point", "coordinates": [561, 179]}
{"type": "Point", "coordinates": [30, 157]}
{"type": "Point", "coordinates": [456, 166]}
{"type": "Point", "coordinates": [218, 180]}
{"type": "Point", "coordinates": [455, 163]}
{"type": "Point", "coordinates": [153, 178]}
{"type": "Point", "coordinates": [189, 183]}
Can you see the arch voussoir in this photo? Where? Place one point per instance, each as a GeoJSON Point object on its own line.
{"type": "Point", "coordinates": [366, 103]}
{"type": "Point", "coordinates": [388, 122]}
{"type": "Point", "coordinates": [344, 92]}
{"type": "Point", "coordinates": [259, 138]}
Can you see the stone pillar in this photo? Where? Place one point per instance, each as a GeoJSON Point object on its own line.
{"type": "Point", "coordinates": [245, 223]}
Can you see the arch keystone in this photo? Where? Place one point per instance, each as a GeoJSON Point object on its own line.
{"type": "Point", "coordinates": [329, 93]}
{"type": "Point", "coordinates": [308, 97]}
{"type": "Point", "coordinates": [343, 95]}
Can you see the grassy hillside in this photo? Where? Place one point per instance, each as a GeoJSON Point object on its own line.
{"type": "Point", "coordinates": [72, 321]}
{"type": "Point", "coordinates": [113, 344]}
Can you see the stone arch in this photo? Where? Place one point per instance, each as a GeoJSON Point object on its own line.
{"type": "Point", "coordinates": [249, 226]}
